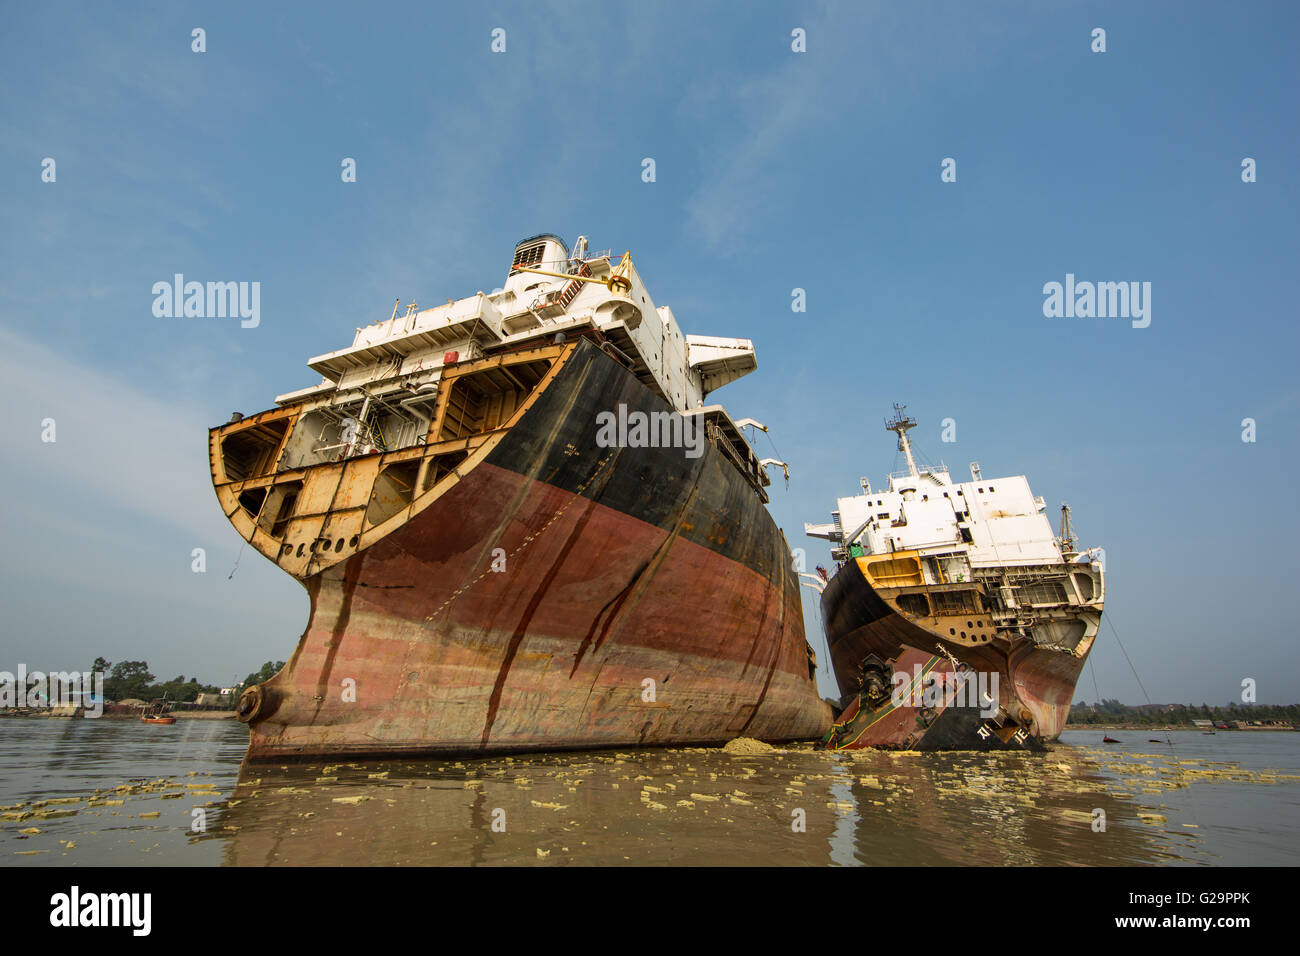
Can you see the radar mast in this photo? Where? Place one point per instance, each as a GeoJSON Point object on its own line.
{"type": "Point", "coordinates": [900, 424]}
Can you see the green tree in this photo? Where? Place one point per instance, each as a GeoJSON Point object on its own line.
{"type": "Point", "coordinates": [268, 671]}
{"type": "Point", "coordinates": [128, 679]}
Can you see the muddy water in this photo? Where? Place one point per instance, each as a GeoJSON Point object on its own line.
{"type": "Point", "coordinates": [117, 793]}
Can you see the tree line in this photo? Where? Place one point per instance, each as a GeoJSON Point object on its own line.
{"type": "Point", "coordinates": [132, 679]}
{"type": "Point", "coordinates": [1110, 711]}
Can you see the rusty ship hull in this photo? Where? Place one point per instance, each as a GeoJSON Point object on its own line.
{"type": "Point", "coordinates": [956, 619]}
{"type": "Point", "coordinates": [1032, 687]}
{"type": "Point", "coordinates": [520, 587]}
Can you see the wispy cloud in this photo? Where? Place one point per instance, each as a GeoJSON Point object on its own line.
{"type": "Point", "coordinates": [118, 448]}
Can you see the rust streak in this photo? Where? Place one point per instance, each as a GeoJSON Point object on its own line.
{"type": "Point", "coordinates": [494, 702]}
{"type": "Point", "coordinates": [351, 573]}
{"type": "Point", "coordinates": [643, 578]}
{"type": "Point", "coordinates": [776, 656]}
{"type": "Point", "coordinates": [613, 605]}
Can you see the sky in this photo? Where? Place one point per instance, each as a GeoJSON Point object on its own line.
{"type": "Point", "coordinates": [775, 170]}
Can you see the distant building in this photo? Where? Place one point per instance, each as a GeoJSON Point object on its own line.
{"type": "Point", "coordinates": [1203, 723]}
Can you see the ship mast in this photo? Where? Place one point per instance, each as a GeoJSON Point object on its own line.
{"type": "Point", "coordinates": [1069, 544]}
{"type": "Point", "coordinates": [901, 424]}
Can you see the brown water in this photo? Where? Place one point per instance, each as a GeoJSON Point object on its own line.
{"type": "Point", "coordinates": [1229, 798]}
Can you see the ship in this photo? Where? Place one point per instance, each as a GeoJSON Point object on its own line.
{"type": "Point", "coordinates": [521, 527]}
{"type": "Point", "coordinates": [956, 619]}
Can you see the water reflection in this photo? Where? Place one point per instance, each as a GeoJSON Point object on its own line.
{"type": "Point", "coordinates": [109, 792]}
{"type": "Point", "coordinates": [697, 806]}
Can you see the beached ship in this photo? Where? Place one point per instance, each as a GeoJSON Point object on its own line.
{"type": "Point", "coordinates": [955, 618]}
{"type": "Point", "coordinates": [521, 528]}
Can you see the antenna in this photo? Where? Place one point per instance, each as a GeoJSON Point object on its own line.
{"type": "Point", "coordinates": [579, 249]}
{"type": "Point", "coordinates": [900, 424]}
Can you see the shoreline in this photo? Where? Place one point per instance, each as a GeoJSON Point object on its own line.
{"type": "Point", "coordinates": [1166, 728]}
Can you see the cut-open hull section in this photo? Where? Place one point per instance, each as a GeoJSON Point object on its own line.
{"type": "Point", "coordinates": [519, 586]}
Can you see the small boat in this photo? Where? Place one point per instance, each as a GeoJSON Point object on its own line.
{"type": "Point", "coordinates": [1109, 740]}
{"type": "Point", "coordinates": [158, 712]}
{"type": "Point", "coordinates": [1153, 740]}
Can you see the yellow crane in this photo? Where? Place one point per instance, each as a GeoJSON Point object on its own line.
{"type": "Point", "coordinates": [616, 282]}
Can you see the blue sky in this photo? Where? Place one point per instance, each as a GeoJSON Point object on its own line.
{"type": "Point", "coordinates": [775, 170]}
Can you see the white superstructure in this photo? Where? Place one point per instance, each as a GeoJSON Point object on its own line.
{"type": "Point", "coordinates": [993, 532]}
{"type": "Point", "coordinates": [990, 522]}
{"type": "Point", "coordinates": [379, 394]}
{"type": "Point", "coordinates": [413, 345]}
